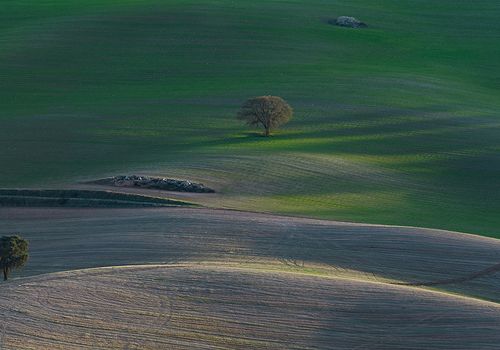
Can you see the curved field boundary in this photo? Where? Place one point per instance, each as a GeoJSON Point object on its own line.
{"type": "Point", "coordinates": [484, 272]}
{"type": "Point", "coordinates": [67, 239]}
{"type": "Point", "coordinates": [80, 198]}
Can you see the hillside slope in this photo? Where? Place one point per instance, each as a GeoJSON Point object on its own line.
{"type": "Point", "coordinates": [396, 123]}
{"type": "Point", "coordinates": [69, 239]}
{"type": "Point", "coordinates": [193, 307]}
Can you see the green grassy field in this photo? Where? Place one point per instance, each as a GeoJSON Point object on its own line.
{"type": "Point", "coordinates": [81, 199]}
{"type": "Point", "coordinates": [396, 124]}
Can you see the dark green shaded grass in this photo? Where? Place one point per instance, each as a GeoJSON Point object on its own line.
{"type": "Point", "coordinates": [80, 198]}
{"type": "Point", "coordinates": [100, 87]}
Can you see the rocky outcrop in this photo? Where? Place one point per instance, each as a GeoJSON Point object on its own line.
{"type": "Point", "coordinates": [154, 183]}
{"type": "Point", "coordinates": [346, 21]}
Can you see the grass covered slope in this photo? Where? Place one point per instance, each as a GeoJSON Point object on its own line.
{"type": "Point", "coordinates": [397, 123]}
{"type": "Point", "coordinates": [80, 198]}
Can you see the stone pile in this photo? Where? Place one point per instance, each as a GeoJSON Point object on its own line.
{"type": "Point", "coordinates": [155, 183]}
{"type": "Point", "coordinates": [346, 21]}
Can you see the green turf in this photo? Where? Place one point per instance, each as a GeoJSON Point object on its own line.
{"type": "Point", "coordinates": [397, 123]}
{"type": "Point", "coordinates": [81, 198]}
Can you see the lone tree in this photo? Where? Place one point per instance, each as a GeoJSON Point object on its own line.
{"type": "Point", "coordinates": [13, 254]}
{"type": "Point", "coordinates": [268, 111]}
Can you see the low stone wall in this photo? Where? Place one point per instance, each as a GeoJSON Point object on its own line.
{"type": "Point", "coordinates": [80, 199]}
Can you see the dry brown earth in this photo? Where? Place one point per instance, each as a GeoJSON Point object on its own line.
{"type": "Point", "coordinates": [238, 280]}
{"type": "Point", "coordinates": [196, 307]}
{"type": "Point", "coordinates": [67, 239]}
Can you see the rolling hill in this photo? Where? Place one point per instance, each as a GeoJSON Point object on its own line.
{"type": "Point", "coordinates": [186, 278]}
{"type": "Point", "coordinates": [367, 222]}
{"type": "Point", "coordinates": [193, 307]}
{"type": "Point", "coordinates": [395, 124]}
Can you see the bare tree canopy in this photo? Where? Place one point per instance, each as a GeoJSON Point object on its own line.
{"type": "Point", "coordinates": [13, 253]}
{"type": "Point", "coordinates": [268, 111]}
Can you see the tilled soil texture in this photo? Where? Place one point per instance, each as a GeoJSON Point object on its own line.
{"type": "Point", "coordinates": [194, 307]}
{"type": "Point", "coordinates": [68, 239]}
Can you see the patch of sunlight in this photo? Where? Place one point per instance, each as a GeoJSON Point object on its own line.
{"type": "Point", "coordinates": [417, 158]}
{"type": "Point", "coordinates": [278, 142]}
{"type": "Point", "coordinates": [329, 202]}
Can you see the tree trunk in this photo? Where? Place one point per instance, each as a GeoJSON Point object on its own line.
{"type": "Point", "coordinates": [267, 132]}
{"type": "Point", "coordinates": [5, 274]}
